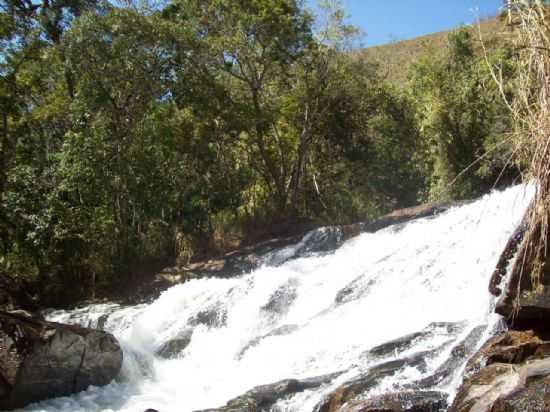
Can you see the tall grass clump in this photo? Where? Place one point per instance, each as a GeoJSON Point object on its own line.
{"type": "Point", "coordinates": [530, 22]}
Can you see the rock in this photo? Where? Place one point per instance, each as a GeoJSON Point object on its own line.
{"type": "Point", "coordinates": [323, 239]}
{"type": "Point", "coordinates": [459, 354]}
{"type": "Point", "coordinates": [214, 317]}
{"type": "Point", "coordinates": [512, 347]}
{"type": "Point", "coordinates": [354, 290]}
{"type": "Point", "coordinates": [406, 215]}
{"type": "Point", "coordinates": [13, 293]}
{"type": "Point", "coordinates": [506, 256]}
{"type": "Point", "coordinates": [353, 389]}
{"type": "Point", "coordinates": [534, 397]}
{"type": "Point", "coordinates": [102, 321]}
{"type": "Point", "coordinates": [404, 401]}
{"type": "Point", "coordinates": [175, 346]}
{"type": "Point", "coordinates": [282, 330]}
{"type": "Point", "coordinates": [397, 345]}
{"type": "Point", "coordinates": [408, 341]}
{"type": "Point", "coordinates": [511, 372]}
{"type": "Point", "coordinates": [525, 301]}
{"type": "Point", "coordinates": [500, 384]}
{"type": "Point", "coordinates": [27, 314]}
{"type": "Point", "coordinates": [280, 301]}
{"type": "Point", "coordinates": [262, 398]}
{"type": "Point", "coordinates": [41, 360]}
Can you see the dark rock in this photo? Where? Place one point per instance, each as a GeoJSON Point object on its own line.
{"type": "Point", "coordinates": [408, 341]}
{"type": "Point", "coordinates": [507, 254]}
{"type": "Point", "coordinates": [279, 302]}
{"type": "Point", "coordinates": [405, 401]}
{"type": "Point", "coordinates": [41, 360]}
{"type": "Point", "coordinates": [408, 214]}
{"type": "Point", "coordinates": [525, 301]}
{"type": "Point", "coordinates": [27, 314]}
{"type": "Point", "coordinates": [282, 330]}
{"type": "Point", "coordinates": [356, 289]}
{"type": "Point", "coordinates": [14, 293]}
{"type": "Point", "coordinates": [213, 317]}
{"type": "Point", "coordinates": [349, 391]}
{"type": "Point", "coordinates": [323, 239]}
{"type": "Point", "coordinates": [459, 354]}
{"type": "Point", "coordinates": [397, 345]}
{"type": "Point", "coordinates": [101, 321]}
{"type": "Point", "coordinates": [175, 346]}
{"type": "Point", "coordinates": [262, 398]}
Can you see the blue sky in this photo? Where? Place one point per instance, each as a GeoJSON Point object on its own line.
{"type": "Point", "coordinates": [384, 21]}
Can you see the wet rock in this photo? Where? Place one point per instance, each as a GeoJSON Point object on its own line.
{"type": "Point", "coordinates": [459, 355]}
{"type": "Point", "coordinates": [41, 360]}
{"type": "Point", "coordinates": [101, 321]}
{"type": "Point", "coordinates": [280, 331]}
{"type": "Point", "coordinates": [324, 239]}
{"type": "Point", "coordinates": [397, 345]}
{"type": "Point", "coordinates": [356, 289]}
{"type": "Point", "coordinates": [355, 388]}
{"type": "Point", "coordinates": [408, 341]}
{"type": "Point", "coordinates": [525, 300]}
{"type": "Point", "coordinates": [175, 346]}
{"type": "Point", "coordinates": [262, 398]}
{"type": "Point", "coordinates": [405, 401]}
{"type": "Point", "coordinates": [506, 256]}
{"type": "Point", "coordinates": [279, 302]}
{"type": "Point", "coordinates": [510, 373]}
{"type": "Point", "coordinates": [214, 317]}
{"type": "Point", "coordinates": [408, 214]}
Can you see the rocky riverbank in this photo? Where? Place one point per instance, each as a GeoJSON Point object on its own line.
{"type": "Point", "coordinates": [41, 360]}
{"type": "Point", "coordinates": [322, 239]}
{"type": "Point", "coordinates": [511, 372]}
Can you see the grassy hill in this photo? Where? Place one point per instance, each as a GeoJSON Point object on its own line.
{"type": "Point", "coordinates": [395, 59]}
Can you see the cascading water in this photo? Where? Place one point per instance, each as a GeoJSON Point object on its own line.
{"type": "Point", "coordinates": [314, 315]}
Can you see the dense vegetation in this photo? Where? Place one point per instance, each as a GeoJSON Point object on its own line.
{"type": "Point", "coordinates": [130, 134]}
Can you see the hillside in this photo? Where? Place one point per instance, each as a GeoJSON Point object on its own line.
{"type": "Point", "coordinates": [396, 58]}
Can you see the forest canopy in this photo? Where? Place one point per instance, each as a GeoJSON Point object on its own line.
{"type": "Point", "coordinates": [126, 127]}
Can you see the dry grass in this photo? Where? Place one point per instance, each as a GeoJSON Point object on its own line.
{"type": "Point", "coordinates": [531, 111]}
{"type": "Point", "coordinates": [395, 59]}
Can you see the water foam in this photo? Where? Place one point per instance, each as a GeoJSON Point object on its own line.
{"type": "Point", "coordinates": [312, 316]}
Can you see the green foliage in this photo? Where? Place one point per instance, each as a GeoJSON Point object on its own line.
{"type": "Point", "coordinates": [462, 121]}
{"type": "Point", "coordinates": [125, 129]}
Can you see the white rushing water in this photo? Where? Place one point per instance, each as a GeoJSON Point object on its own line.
{"type": "Point", "coordinates": [312, 316]}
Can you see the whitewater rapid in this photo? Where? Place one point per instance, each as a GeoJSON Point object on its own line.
{"type": "Point", "coordinates": [311, 316]}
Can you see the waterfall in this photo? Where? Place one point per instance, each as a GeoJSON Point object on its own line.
{"type": "Point", "coordinates": [421, 286]}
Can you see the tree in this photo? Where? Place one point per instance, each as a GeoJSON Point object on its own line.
{"type": "Point", "coordinates": [459, 117]}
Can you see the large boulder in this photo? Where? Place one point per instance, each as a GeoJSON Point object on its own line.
{"type": "Point", "coordinates": [41, 360]}
{"type": "Point", "coordinates": [511, 372]}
